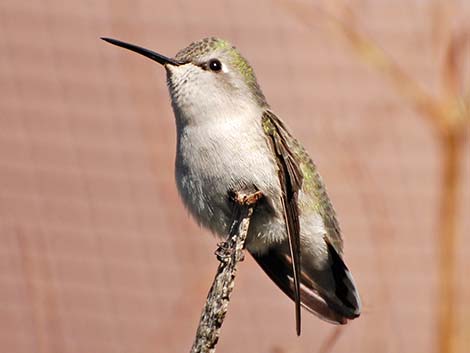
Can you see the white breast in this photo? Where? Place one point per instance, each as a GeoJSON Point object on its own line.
{"type": "Point", "coordinates": [211, 159]}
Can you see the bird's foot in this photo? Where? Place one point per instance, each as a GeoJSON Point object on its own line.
{"type": "Point", "coordinates": [244, 199]}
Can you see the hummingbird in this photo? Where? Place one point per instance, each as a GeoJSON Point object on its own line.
{"type": "Point", "coordinates": [229, 140]}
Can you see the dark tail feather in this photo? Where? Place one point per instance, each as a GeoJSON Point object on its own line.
{"type": "Point", "coordinates": [330, 293]}
{"type": "Point", "coordinates": [344, 287]}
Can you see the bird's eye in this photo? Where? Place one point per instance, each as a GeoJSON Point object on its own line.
{"type": "Point", "coordinates": [215, 65]}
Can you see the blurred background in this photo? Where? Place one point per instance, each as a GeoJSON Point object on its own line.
{"type": "Point", "coordinates": [98, 254]}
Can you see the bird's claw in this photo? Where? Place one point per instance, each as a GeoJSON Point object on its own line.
{"type": "Point", "coordinates": [244, 199]}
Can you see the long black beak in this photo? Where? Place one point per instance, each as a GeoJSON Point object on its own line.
{"type": "Point", "coordinates": [145, 52]}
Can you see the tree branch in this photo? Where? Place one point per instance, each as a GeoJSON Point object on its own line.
{"type": "Point", "coordinates": [229, 253]}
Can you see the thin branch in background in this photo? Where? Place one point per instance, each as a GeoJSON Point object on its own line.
{"type": "Point", "coordinates": [456, 77]}
{"type": "Point", "coordinates": [449, 116]}
{"type": "Point", "coordinates": [345, 28]}
{"type": "Point", "coordinates": [451, 156]}
{"type": "Point", "coordinates": [442, 12]}
{"type": "Point", "coordinates": [456, 100]}
{"type": "Point", "coordinates": [229, 253]}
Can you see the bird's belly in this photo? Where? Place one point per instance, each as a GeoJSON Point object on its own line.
{"type": "Point", "coordinates": [209, 168]}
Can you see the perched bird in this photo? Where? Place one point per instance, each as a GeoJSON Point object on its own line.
{"type": "Point", "coordinates": [228, 139]}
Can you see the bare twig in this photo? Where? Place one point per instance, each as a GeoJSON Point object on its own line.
{"type": "Point", "coordinates": [229, 253]}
